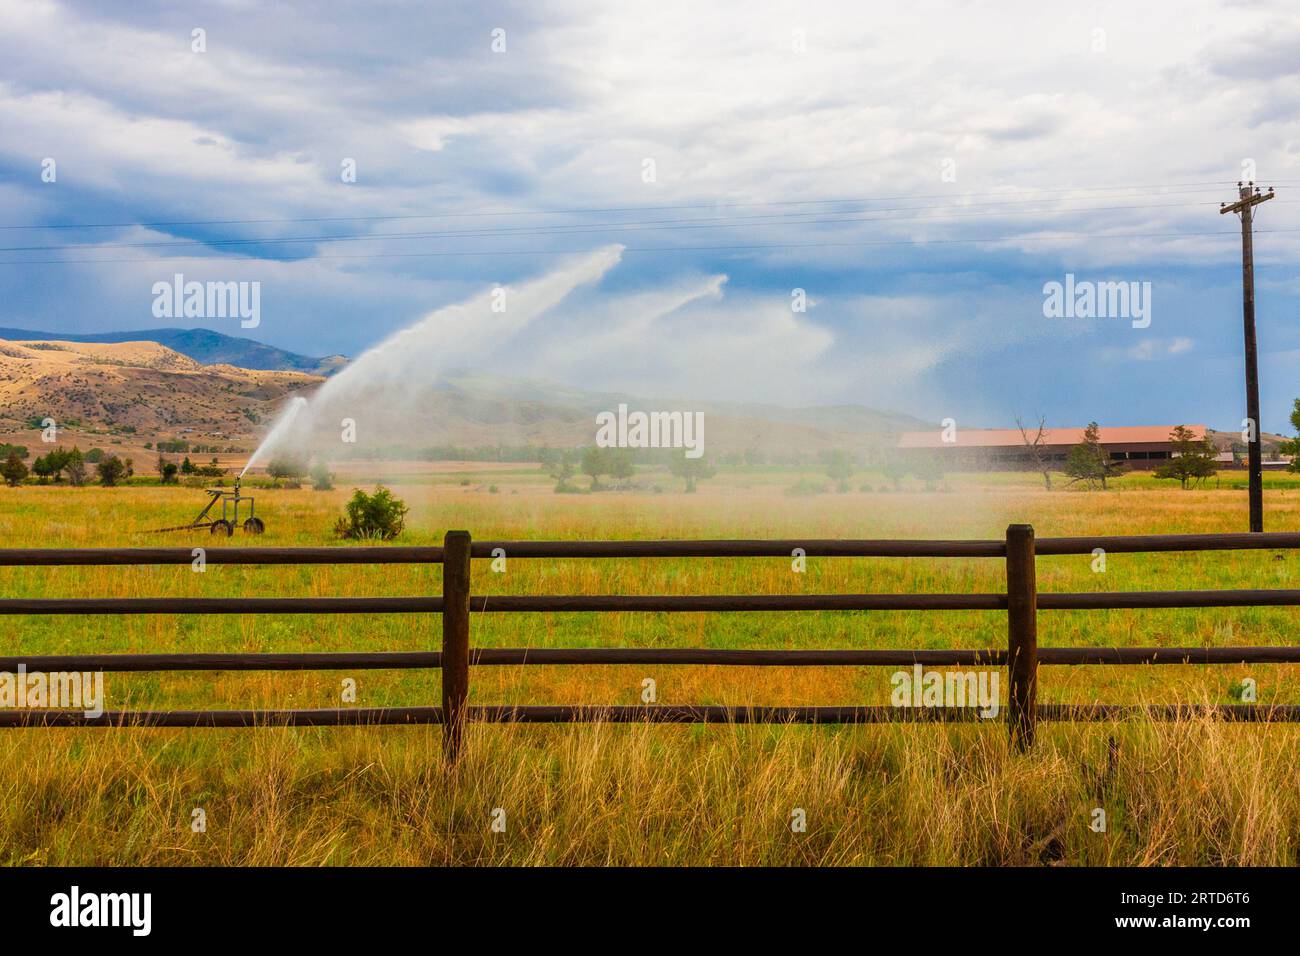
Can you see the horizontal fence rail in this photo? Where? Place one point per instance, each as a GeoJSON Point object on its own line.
{"type": "Point", "coordinates": [629, 714]}
{"type": "Point", "coordinates": [599, 656]}
{"type": "Point", "coordinates": [704, 548]}
{"type": "Point", "coordinates": [325, 605]}
{"type": "Point", "coordinates": [814, 548]}
{"type": "Point", "coordinates": [61, 557]}
{"type": "Point", "coordinates": [1022, 603]}
{"type": "Point", "coordinates": [585, 603]}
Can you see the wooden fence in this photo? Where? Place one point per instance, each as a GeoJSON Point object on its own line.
{"type": "Point", "coordinates": [1021, 601]}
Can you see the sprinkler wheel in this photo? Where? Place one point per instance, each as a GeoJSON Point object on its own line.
{"type": "Point", "coordinates": [221, 526]}
{"type": "Point", "coordinates": [254, 526]}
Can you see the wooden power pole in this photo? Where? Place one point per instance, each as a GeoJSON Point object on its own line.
{"type": "Point", "coordinates": [1250, 197]}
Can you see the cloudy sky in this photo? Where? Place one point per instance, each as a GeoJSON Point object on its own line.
{"type": "Point", "coordinates": [920, 170]}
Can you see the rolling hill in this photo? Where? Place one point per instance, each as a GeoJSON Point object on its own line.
{"type": "Point", "coordinates": [135, 388]}
{"type": "Point", "coordinates": [203, 345]}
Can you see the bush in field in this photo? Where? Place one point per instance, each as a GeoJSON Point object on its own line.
{"type": "Point", "coordinates": [111, 470]}
{"type": "Point", "coordinates": [804, 487]}
{"type": "Point", "coordinates": [167, 470]}
{"type": "Point", "coordinates": [321, 479]}
{"type": "Point", "coordinates": [372, 516]}
{"type": "Point", "coordinates": [286, 466]}
{"type": "Point", "coordinates": [13, 470]}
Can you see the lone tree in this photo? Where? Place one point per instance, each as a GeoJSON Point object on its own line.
{"type": "Point", "coordinates": [689, 469]}
{"type": "Point", "coordinates": [559, 466]}
{"type": "Point", "coordinates": [13, 471]}
{"type": "Point", "coordinates": [621, 466]}
{"type": "Point", "coordinates": [1036, 445]}
{"type": "Point", "coordinates": [839, 468]}
{"type": "Point", "coordinates": [1088, 461]}
{"type": "Point", "coordinates": [1193, 459]}
{"type": "Point", "coordinates": [595, 463]}
{"type": "Point", "coordinates": [75, 466]}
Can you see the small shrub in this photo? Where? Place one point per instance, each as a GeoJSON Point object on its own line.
{"type": "Point", "coordinates": [805, 487]}
{"type": "Point", "coordinates": [284, 466]}
{"type": "Point", "coordinates": [372, 516]}
{"type": "Point", "coordinates": [321, 479]}
{"type": "Point", "coordinates": [111, 471]}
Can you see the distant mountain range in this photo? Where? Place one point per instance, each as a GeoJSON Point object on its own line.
{"type": "Point", "coordinates": [203, 345]}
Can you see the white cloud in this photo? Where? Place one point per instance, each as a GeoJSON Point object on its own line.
{"type": "Point", "coordinates": [1149, 349]}
{"type": "Point", "coordinates": [729, 110]}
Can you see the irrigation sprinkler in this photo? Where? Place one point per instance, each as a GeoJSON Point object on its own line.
{"type": "Point", "coordinates": [231, 501]}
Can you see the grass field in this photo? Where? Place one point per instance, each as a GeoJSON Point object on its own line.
{"type": "Point", "coordinates": [1192, 792]}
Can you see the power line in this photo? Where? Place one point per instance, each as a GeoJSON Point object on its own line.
{"type": "Point", "coordinates": [785, 219]}
{"type": "Point", "coordinates": [635, 249]}
{"type": "Point", "coordinates": [595, 209]}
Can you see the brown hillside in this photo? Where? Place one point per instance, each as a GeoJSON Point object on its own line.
{"type": "Point", "coordinates": [137, 385]}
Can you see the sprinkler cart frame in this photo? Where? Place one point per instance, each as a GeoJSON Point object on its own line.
{"type": "Point", "coordinates": [230, 502]}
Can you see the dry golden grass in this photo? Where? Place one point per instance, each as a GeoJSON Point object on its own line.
{"type": "Point", "coordinates": [1185, 793]}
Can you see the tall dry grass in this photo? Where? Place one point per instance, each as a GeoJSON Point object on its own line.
{"type": "Point", "coordinates": [1193, 792]}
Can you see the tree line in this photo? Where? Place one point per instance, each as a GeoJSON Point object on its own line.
{"type": "Point", "coordinates": [66, 463]}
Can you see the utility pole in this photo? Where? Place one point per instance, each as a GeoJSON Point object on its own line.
{"type": "Point", "coordinates": [1250, 197]}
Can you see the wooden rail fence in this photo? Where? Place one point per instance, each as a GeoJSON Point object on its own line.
{"type": "Point", "coordinates": [1021, 601]}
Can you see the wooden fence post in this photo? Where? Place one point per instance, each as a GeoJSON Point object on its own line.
{"type": "Point", "coordinates": [1022, 635]}
{"type": "Point", "coordinates": [455, 639]}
